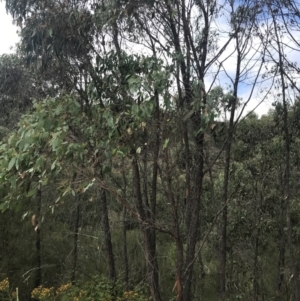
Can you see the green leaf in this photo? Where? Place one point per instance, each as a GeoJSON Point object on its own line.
{"type": "Point", "coordinates": [55, 143]}
{"type": "Point", "coordinates": [53, 165]}
{"type": "Point", "coordinates": [13, 183]}
{"type": "Point", "coordinates": [11, 163]}
{"type": "Point", "coordinates": [4, 206]}
{"type": "Point", "coordinates": [106, 169]}
{"type": "Point", "coordinates": [31, 193]}
{"type": "Point", "coordinates": [166, 143]}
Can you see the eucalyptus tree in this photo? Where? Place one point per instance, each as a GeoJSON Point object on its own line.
{"type": "Point", "coordinates": [140, 77]}
{"type": "Point", "coordinates": [280, 20]}
{"type": "Point", "coordinates": [58, 37]}
{"type": "Point", "coordinates": [170, 30]}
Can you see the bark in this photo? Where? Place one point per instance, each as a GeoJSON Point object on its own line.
{"type": "Point", "coordinates": [153, 196]}
{"type": "Point", "coordinates": [193, 229]}
{"type": "Point", "coordinates": [75, 242]}
{"type": "Point", "coordinates": [107, 236]}
{"type": "Point", "coordinates": [178, 286]}
{"type": "Point", "coordinates": [223, 230]}
{"type": "Point", "coordinates": [256, 250]}
{"type": "Point", "coordinates": [148, 234]}
{"type": "Point", "coordinates": [240, 48]}
{"type": "Point", "coordinates": [255, 268]}
{"type": "Point", "coordinates": [193, 197]}
{"type": "Point", "coordinates": [287, 174]}
{"type": "Point", "coordinates": [150, 252]}
{"type": "Point", "coordinates": [38, 276]}
{"type": "Point", "coordinates": [281, 261]}
{"type": "Point", "coordinates": [125, 252]}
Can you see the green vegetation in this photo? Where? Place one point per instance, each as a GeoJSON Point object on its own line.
{"type": "Point", "coordinates": [96, 289]}
{"type": "Point", "coordinates": [129, 168]}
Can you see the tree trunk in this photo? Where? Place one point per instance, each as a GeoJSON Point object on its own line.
{"type": "Point", "coordinates": [38, 276]}
{"type": "Point", "coordinates": [192, 218]}
{"type": "Point", "coordinates": [125, 253]}
{"type": "Point", "coordinates": [223, 228]}
{"type": "Point", "coordinates": [75, 242]}
{"type": "Point", "coordinates": [178, 286]}
{"type": "Point", "coordinates": [150, 252]}
{"type": "Point", "coordinates": [287, 174]}
{"type": "Point", "coordinates": [107, 236]}
{"type": "Point", "coordinates": [256, 248]}
{"type": "Point", "coordinates": [280, 269]}
{"type": "Point", "coordinates": [231, 127]}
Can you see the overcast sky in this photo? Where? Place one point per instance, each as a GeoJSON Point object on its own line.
{"type": "Point", "coordinates": [8, 32]}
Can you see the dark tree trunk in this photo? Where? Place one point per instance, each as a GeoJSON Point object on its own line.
{"type": "Point", "coordinates": [178, 286]}
{"type": "Point", "coordinates": [256, 250]}
{"type": "Point", "coordinates": [287, 173]}
{"type": "Point", "coordinates": [228, 145]}
{"type": "Point", "coordinates": [194, 179]}
{"type": "Point", "coordinates": [125, 253]}
{"type": "Point", "coordinates": [193, 223]}
{"type": "Point", "coordinates": [223, 228]}
{"type": "Point", "coordinates": [153, 196]}
{"type": "Point", "coordinates": [75, 242]}
{"type": "Point", "coordinates": [38, 276]}
{"type": "Point", "coordinates": [148, 234]}
{"type": "Point", "coordinates": [281, 261]}
{"type": "Point", "coordinates": [107, 236]}
{"type": "Point", "coordinates": [150, 252]}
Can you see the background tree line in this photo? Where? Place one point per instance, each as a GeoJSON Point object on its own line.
{"type": "Point", "coordinates": [135, 160]}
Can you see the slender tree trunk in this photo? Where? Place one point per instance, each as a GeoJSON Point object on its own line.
{"type": "Point", "coordinates": [153, 196]}
{"type": "Point", "coordinates": [223, 230]}
{"type": "Point", "coordinates": [125, 252]}
{"type": "Point", "coordinates": [75, 242]}
{"type": "Point", "coordinates": [150, 253]}
{"type": "Point", "coordinates": [287, 174]}
{"type": "Point", "coordinates": [282, 241]}
{"type": "Point", "coordinates": [223, 255]}
{"type": "Point", "coordinates": [280, 269]}
{"type": "Point", "coordinates": [107, 236]}
{"type": "Point", "coordinates": [148, 234]}
{"type": "Point", "coordinates": [255, 268]}
{"type": "Point", "coordinates": [256, 249]}
{"type": "Point", "coordinates": [38, 276]}
{"type": "Point", "coordinates": [178, 286]}
{"type": "Point", "coordinates": [228, 145]}
{"type": "Point", "coordinates": [193, 207]}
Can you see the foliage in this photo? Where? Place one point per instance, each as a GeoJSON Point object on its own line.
{"type": "Point", "coordinates": [131, 158]}
{"type": "Point", "coordinates": [5, 291]}
{"type": "Point", "coordinates": [97, 289]}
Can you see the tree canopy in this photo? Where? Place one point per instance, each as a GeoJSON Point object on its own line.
{"type": "Point", "coordinates": [127, 152]}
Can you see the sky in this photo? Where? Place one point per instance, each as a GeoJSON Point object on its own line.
{"type": "Point", "coordinates": [9, 37]}
{"type": "Point", "coordinates": [8, 31]}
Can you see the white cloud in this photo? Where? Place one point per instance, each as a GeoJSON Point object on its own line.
{"type": "Point", "coordinates": [8, 31]}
